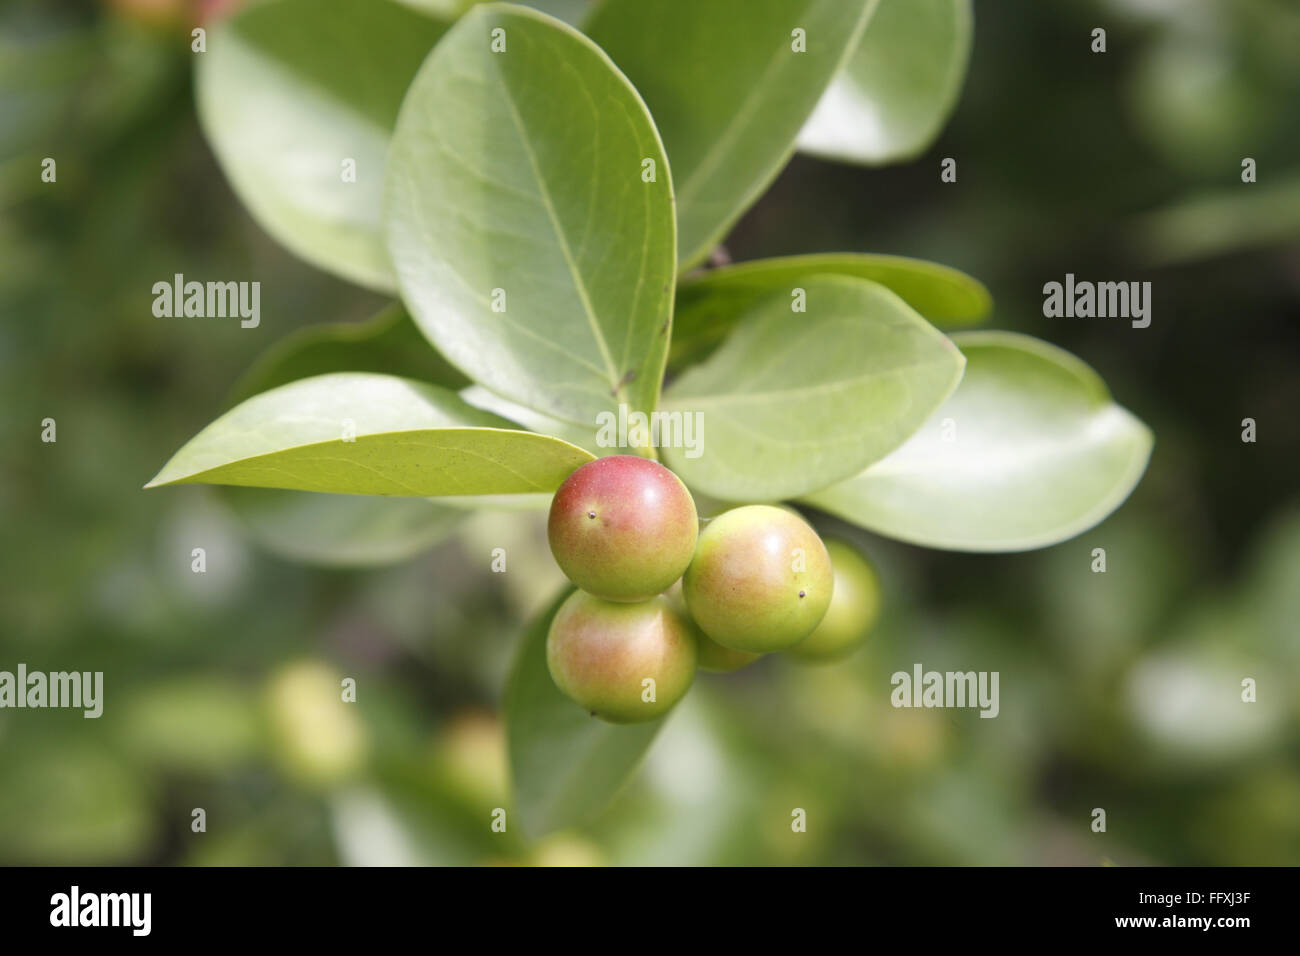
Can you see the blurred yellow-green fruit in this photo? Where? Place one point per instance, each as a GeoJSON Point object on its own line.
{"type": "Point", "coordinates": [566, 850]}
{"type": "Point", "coordinates": [317, 736]}
{"type": "Point", "coordinates": [470, 758]}
{"type": "Point", "coordinates": [854, 608]}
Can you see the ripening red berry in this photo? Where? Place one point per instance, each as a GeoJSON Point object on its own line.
{"type": "Point", "coordinates": [623, 662]}
{"type": "Point", "coordinates": [623, 528]}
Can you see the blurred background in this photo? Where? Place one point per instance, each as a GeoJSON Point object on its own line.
{"type": "Point", "coordinates": [1121, 166]}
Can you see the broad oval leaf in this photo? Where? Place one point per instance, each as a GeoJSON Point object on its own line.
{"type": "Point", "coordinates": [389, 343]}
{"type": "Point", "coordinates": [288, 93]}
{"type": "Point", "coordinates": [565, 765]}
{"type": "Point", "coordinates": [1029, 451]}
{"type": "Point", "coordinates": [709, 303]}
{"type": "Point", "coordinates": [899, 87]}
{"type": "Point", "coordinates": [341, 530]}
{"type": "Point", "coordinates": [795, 401]}
{"type": "Point", "coordinates": [364, 434]}
{"type": "Point", "coordinates": [728, 90]}
{"type": "Point", "coordinates": [528, 246]}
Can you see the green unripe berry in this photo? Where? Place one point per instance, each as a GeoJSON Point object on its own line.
{"type": "Point", "coordinates": [760, 580]}
{"type": "Point", "coordinates": [714, 657]}
{"type": "Point", "coordinates": [623, 528]}
{"type": "Point", "coordinates": [625, 663]}
{"type": "Point", "coordinates": [711, 656]}
{"type": "Point", "coordinates": [855, 606]}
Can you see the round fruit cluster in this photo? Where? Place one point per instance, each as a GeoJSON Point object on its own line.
{"type": "Point", "coordinates": [659, 597]}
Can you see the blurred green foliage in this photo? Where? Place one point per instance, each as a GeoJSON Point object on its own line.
{"type": "Point", "coordinates": [221, 689]}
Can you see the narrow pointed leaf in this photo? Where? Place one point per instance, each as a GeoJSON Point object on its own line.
{"type": "Point", "coordinates": [344, 530]}
{"type": "Point", "coordinates": [795, 401]}
{"type": "Point", "coordinates": [291, 91]}
{"type": "Point", "coordinates": [365, 434]}
{"type": "Point", "coordinates": [565, 764]}
{"type": "Point", "coordinates": [1029, 451]}
{"type": "Point", "coordinates": [528, 245]}
{"type": "Point", "coordinates": [729, 90]}
{"type": "Point", "coordinates": [899, 87]}
{"type": "Point", "coordinates": [709, 303]}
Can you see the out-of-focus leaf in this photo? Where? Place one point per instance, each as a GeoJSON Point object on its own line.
{"type": "Point", "coordinates": [1223, 222]}
{"type": "Point", "coordinates": [1273, 589]}
{"type": "Point", "coordinates": [528, 246]}
{"type": "Point", "coordinates": [200, 724]}
{"type": "Point", "coordinates": [795, 401]}
{"type": "Point", "coordinates": [341, 530]}
{"type": "Point", "coordinates": [728, 91]}
{"type": "Point", "coordinates": [288, 92]}
{"type": "Point", "coordinates": [1187, 698]}
{"type": "Point", "coordinates": [371, 828]}
{"type": "Point", "coordinates": [73, 804]}
{"type": "Point", "coordinates": [565, 764]}
{"type": "Point", "coordinates": [1030, 450]}
{"type": "Point", "coordinates": [892, 98]}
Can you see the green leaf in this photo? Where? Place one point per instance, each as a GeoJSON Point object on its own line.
{"type": "Point", "coordinates": [890, 101]}
{"type": "Point", "coordinates": [727, 90]}
{"type": "Point", "coordinates": [1029, 451]}
{"type": "Point", "coordinates": [106, 817]}
{"type": "Point", "coordinates": [341, 530]}
{"type": "Point", "coordinates": [287, 91]}
{"type": "Point", "coordinates": [344, 530]}
{"type": "Point", "coordinates": [565, 765]}
{"type": "Point", "coordinates": [795, 401]}
{"type": "Point", "coordinates": [534, 421]}
{"type": "Point", "coordinates": [388, 343]}
{"type": "Point", "coordinates": [570, 11]}
{"type": "Point", "coordinates": [1220, 222]}
{"type": "Point", "coordinates": [521, 171]}
{"type": "Point", "coordinates": [197, 724]}
{"type": "Point", "coordinates": [709, 303]}
{"type": "Point", "coordinates": [406, 438]}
